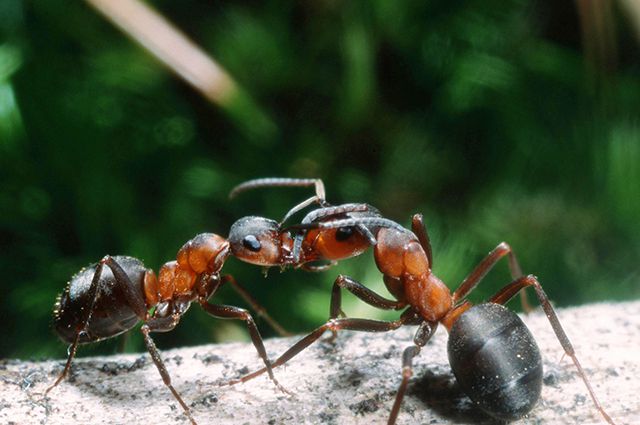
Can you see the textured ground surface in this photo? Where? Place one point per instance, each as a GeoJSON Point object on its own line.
{"type": "Point", "coordinates": [351, 382]}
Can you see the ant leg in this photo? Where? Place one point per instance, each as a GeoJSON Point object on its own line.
{"type": "Point", "coordinates": [481, 270]}
{"type": "Point", "coordinates": [363, 293]}
{"type": "Point", "coordinates": [134, 300]}
{"type": "Point", "coordinates": [71, 355]}
{"type": "Point", "coordinates": [422, 336]}
{"type": "Point", "coordinates": [301, 206]}
{"type": "Point", "coordinates": [84, 321]}
{"type": "Point", "coordinates": [261, 311]}
{"type": "Point", "coordinates": [420, 230]}
{"type": "Point", "coordinates": [365, 325]}
{"type": "Point", "coordinates": [163, 324]}
{"type": "Point", "coordinates": [230, 312]}
{"type": "Point", "coordinates": [510, 290]}
{"type": "Point", "coordinates": [132, 294]}
{"type": "Point", "coordinates": [317, 269]}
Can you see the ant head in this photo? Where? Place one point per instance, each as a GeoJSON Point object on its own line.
{"type": "Point", "coordinates": [256, 240]}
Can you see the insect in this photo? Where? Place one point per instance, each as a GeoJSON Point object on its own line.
{"type": "Point", "coordinates": [265, 242]}
{"type": "Point", "coordinates": [492, 354]}
{"type": "Point", "coordinates": [110, 297]}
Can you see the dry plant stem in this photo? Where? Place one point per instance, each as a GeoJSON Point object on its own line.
{"type": "Point", "coordinates": [170, 46]}
{"type": "Point", "coordinates": [351, 382]}
{"type": "Point", "coordinates": [632, 8]}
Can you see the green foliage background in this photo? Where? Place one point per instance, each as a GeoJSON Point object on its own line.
{"type": "Point", "coordinates": [486, 116]}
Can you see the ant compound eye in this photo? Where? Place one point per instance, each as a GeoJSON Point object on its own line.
{"type": "Point", "coordinates": [344, 233]}
{"type": "Point", "coordinates": [251, 243]}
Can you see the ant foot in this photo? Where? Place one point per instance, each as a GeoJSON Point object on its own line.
{"type": "Point", "coordinates": [332, 338]}
{"type": "Point", "coordinates": [283, 389]}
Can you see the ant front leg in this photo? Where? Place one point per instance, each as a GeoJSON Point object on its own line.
{"type": "Point", "coordinates": [363, 293]}
{"type": "Point", "coordinates": [163, 324]}
{"type": "Point", "coordinates": [317, 269]}
{"type": "Point", "coordinates": [481, 270]}
{"type": "Point", "coordinates": [132, 297]}
{"type": "Point", "coordinates": [518, 285]}
{"type": "Point", "coordinates": [420, 230]}
{"type": "Point", "coordinates": [230, 312]}
{"type": "Point", "coordinates": [261, 311]}
{"type": "Point", "coordinates": [422, 336]}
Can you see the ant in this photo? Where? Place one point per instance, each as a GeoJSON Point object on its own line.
{"type": "Point", "coordinates": [112, 296]}
{"type": "Point", "coordinates": [493, 356]}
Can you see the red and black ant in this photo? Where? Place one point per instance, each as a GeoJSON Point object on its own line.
{"type": "Point", "coordinates": [492, 354]}
{"type": "Point", "coordinates": [109, 298]}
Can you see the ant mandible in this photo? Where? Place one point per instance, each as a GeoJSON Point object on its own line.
{"type": "Point", "coordinates": [492, 354]}
{"type": "Point", "coordinates": [103, 302]}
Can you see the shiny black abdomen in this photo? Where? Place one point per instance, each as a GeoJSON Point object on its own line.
{"type": "Point", "coordinates": [111, 315]}
{"type": "Point", "coordinates": [496, 361]}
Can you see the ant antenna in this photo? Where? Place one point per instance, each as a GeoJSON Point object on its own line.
{"type": "Point", "coordinates": [320, 196]}
{"type": "Point", "coordinates": [280, 182]}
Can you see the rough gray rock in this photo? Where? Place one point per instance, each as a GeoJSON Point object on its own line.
{"type": "Point", "coordinates": [351, 382]}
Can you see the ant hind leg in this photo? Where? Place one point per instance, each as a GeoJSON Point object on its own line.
{"type": "Point", "coordinates": [485, 266]}
{"type": "Point", "coordinates": [518, 285]}
{"type": "Point", "coordinates": [133, 298]}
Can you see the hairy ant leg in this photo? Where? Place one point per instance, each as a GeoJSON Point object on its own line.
{"type": "Point", "coordinates": [363, 293]}
{"type": "Point", "coordinates": [363, 325]}
{"type": "Point", "coordinates": [418, 227]}
{"type": "Point", "coordinates": [259, 309]}
{"type": "Point", "coordinates": [163, 324]}
{"type": "Point", "coordinates": [122, 281]}
{"type": "Point", "coordinates": [317, 269]}
{"type": "Point", "coordinates": [509, 291]}
{"type": "Point", "coordinates": [72, 354]}
{"type": "Point", "coordinates": [481, 270]}
{"type": "Point", "coordinates": [231, 312]}
{"type": "Point", "coordinates": [420, 230]}
{"type": "Point", "coordinates": [420, 339]}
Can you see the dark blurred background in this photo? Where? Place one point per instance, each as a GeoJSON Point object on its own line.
{"type": "Point", "coordinates": [513, 120]}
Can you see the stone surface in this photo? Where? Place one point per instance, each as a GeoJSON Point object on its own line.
{"type": "Point", "coordinates": [351, 382]}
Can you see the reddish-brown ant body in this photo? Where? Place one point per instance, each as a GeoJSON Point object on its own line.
{"type": "Point", "coordinates": [109, 298]}
{"type": "Point", "coordinates": [492, 354]}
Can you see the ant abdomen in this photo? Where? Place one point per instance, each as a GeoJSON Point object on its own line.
{"type": "Point", "coordinates": [111, 314]}
{"type": "Point", "coordinates": [496, 361]}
